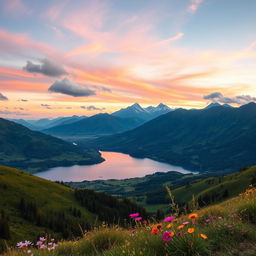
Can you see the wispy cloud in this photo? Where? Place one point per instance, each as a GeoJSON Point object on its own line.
{"type": "Point", "coordinates": [2, 97]}
{"type": "Point", "coordinates": [92, 108]}
{"type": "Point", "coordinates": [194, 5]}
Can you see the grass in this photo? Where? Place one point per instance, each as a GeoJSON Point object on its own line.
{"type": "Point", "coordinates": [225, 229]}
{"type": "Point", "coordinates": [49, 196]}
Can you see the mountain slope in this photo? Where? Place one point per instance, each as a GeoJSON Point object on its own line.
{"type": "Point", "coordinates": [34, 207]}
{"type": "Point", "coordinates": [95, 125]}
{"type": "Point", "coordinates": [33, 151]}
{"type": "Point", "coordinates": [215, 139]}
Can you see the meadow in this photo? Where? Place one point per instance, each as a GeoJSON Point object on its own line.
{"type": "Point", "coordinates": [224, 229]}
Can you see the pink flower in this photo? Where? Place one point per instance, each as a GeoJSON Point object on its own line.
{"type": "Point", "coordinates": [168, 219]}
{"type": "Point", "coordinates": [166, 236]}
{"type": "Point", "coordinates": [185, 223]}
{"type": "Point", "coordinates": [138, 218]}
{"type": "Point", "coordinates": [207, 221]}
{"type": "Point", "coordinates": [134, 215]}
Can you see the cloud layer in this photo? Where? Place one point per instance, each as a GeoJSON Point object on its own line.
{"type": "Point", "coordinates": [47, 68]}
{"type": "Point", "coordinates": [69, 87]}
{"type": "Point", "coordinates": [219, 97]}
{"type": "Point", "coordinates": [2, 97]}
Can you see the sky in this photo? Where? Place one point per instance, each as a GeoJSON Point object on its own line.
{"type": "Point", "coordinates": [82, 57]}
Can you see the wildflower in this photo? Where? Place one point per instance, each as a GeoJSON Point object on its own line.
{"type": "Point", "coordinates": [167, 236]}
{"type": "Point", "coordinates": [20, 245]}
{"type": "Point", "coordinates": [133, 230]}
{"type": "Point", "coordinates": [207, 221]}
{"type": "Point", "coordinates": [169, 225]}
{"type": "Point", "coordinates": [190, 243]}
{"type": "Point", "coordinates": [185, 223]}
{"type": "Point", "coordinates": [181, 227]}
{"type": "Point", "coordinates": [168, 219]}
{"type": "Point", "coordinates": [203, 236]}
{"type": "Point", "coordinates": [42, 239]}
{"type": "Point", "coordinates": [155, 231]}
{"type": "Point", "coordinates": [138, 218]}
{"type": "Point", "coordinates": [134, 215]}
{"type": "Point", "coordinates": [193, 216]}
{"type": "Point", "coordinates": [191, 230]}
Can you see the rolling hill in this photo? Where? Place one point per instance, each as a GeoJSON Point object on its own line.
{"type": "Point", "coordinates": [218, 139]}
{"type": "Point", "coordinates": [34, 151]}
{"type": "Point", "coordinates": [100, 124]}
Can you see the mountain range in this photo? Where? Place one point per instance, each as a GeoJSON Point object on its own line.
{"type": "Point", "coordinates": [216, 139]}
{"type": "Point", "coordinates": [33, 151]}
{"type": "Point", "coordinates": [146, 114]}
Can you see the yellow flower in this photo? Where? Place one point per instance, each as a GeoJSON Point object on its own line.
{"type": "Point", "coordinates": [193, 216]}
{"type": "Point", "coordinates": [191, 230]}
{"type": "Point", "coordinates": [181, 227]}
{"type": "Point", "coordinates": [169, 225]}
{"type": "Point", "coordinates": [203, 236]}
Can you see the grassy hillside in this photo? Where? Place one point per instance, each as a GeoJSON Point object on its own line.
{"type": "Point", "coordinates": [32, 206]}
{"type": "Point", "coordinates": [207, 140]}
{"type": "Point", "coordinates": [226, 229]}
{"type": "Point", "coordinates": [150, 191]}
{"type": "Point", "coordinates": [34, 151]}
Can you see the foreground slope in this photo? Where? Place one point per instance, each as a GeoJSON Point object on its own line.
{"type": "Point", "coordinates": [32, 206]}
{"type": "Point", "coordinates": [216, 139]}
{"type": "Point", "coordinates": [225, 229]}
{"type": "Point", "coordinates": [33, 151]}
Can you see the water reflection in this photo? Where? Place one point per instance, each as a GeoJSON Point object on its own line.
{"type": "Point", "coordinates": [116, 166]}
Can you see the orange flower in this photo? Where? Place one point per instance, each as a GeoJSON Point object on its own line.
{"type": "Point", "coordinates": [181, 227]}
{"type": "Point", "coordinates": [193, 216]}
{"type": "Point", "coordinates": [172, 234]}
{"type": "Point", "coordinates": [191, 230]}
{"type": "Point", "coordinates": [169, 225]}
{"type": "Point", "coordinates": [203, 236]}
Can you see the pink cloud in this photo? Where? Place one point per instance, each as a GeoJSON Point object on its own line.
{"type": "Point", "coordinates": [194, 5]}
{"type": "Point", "coordinates": [16, 7]}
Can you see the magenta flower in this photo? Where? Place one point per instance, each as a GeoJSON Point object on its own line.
{"type": "Point", "coordinates": [168, 219]}
{"type": "Point", "coordinates": [138, 218]}
{"type": "Point", "coordinates": [166, 236]}
{"type": "Point", "coordinates": [134, 215]}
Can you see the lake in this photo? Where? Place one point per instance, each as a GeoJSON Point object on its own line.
{"type": "Point", "coordinates": [115, 166]}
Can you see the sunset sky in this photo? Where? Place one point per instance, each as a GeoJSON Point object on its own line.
{"type": "Point", "coordinates": [66, 57]}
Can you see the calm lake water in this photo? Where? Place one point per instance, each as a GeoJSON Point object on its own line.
{"type": "Point", "coordinates": [115, 166]}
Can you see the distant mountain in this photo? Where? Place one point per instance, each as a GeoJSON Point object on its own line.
{"type": "Point", "coordinates": [45, 123]}
{"type": "Point", "coordinates": [100, 124]}
{"type": "Point", "coordinates": [213, 139]}
{"type": "Point", "coordinates": [25, 123]}
{"type": "Point", "coordinates": [216, 104]}
{"type": "Point", "coordinates": [33, 151]}
{"type": "Point", "coordinates": [146, 114]}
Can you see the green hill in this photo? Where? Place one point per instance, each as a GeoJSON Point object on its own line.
{"type": "Point", "coordinates": [207, 140]}
{"type": "Point", "coordinates": [34, 151]}
{"type": "Point", "coordinates": [32, 206]}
